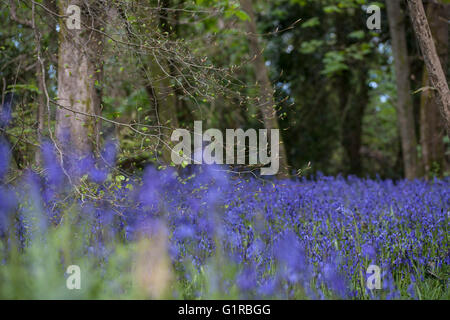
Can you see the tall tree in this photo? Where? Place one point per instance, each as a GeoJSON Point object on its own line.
{"type": "Point", "coordinates": [266, 90]}
{"type": "Point", "coordinates": [39, 66]}
{"type": "Point", "coordinates": [352, 103]}
{"type": "Point", "coordinates": [430, 55]}
{"type": "Point", "coordinates": [352, 117]}
{"type": "Point", "coordinates": [158, 72]}
{"type": "Point", "coordinates": [164, 93]}
{"type": "Point", "coordinates": [432, 127]}
{"type": "Point", "coordinates": [79, 73]}
{"type": "Point", "coordinates": [404, 100]}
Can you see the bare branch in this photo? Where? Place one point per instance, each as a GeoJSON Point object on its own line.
{"type": "Point", "coordinates": [14, 17]}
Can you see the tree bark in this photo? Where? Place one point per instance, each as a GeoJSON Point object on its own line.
{"type": "Point", "coordinates": [163, 96]}
{"type": "Point", "coordinates": [353, 113]}
{"type": "Point", "coordinates": [432, 127]}
{"type": "Point", "coordinates": [267, 101]}
{"type": "Point", "coordinates": [429, 52]}
{"type": "Point", "coordinates": [40, 114]}
{"type": "Point", "coordinates": [79, 70]}
{"type": "Point", "coordinates": [404, 100]}
{"type": "Point", "coordinates": [158, 73]}
{"type": "Point", "coordinates": [40, 77]}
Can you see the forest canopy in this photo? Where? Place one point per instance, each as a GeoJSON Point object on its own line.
{"type": "Point", "coordinates": [311, 68]}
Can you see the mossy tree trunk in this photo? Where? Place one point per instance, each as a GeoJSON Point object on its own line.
{"type": "Point", "coordinates": [432, 127]}
{"type": "Point", "coordinates": [79, 75]}
{"type": "Point", "coordinates": [404, 99]}
{"type": "Point", "coordinates": [159, 74]}
{"type": "Point", "coordinates": [431, 58]}
{"type": "Point", "coordinates": [266, 102]}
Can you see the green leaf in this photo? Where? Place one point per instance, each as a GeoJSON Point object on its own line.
{"type": "Point", "coordinates": [308, 47]}
{"type": "Point", "coordinates": [25, 87]}
{"type": "Point", "coordinates": [357, 34]}
{"type": "Point", "coordinates": [242, 15]}
{"type": "Point", "coordinates": [331, 9]}
{"type": "Point", "coordinates": [311, 23]}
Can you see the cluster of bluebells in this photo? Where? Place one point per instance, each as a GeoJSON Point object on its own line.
{"type": "Point", "coordinates": [310, 237]}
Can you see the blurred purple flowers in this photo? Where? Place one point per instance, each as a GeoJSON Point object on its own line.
{"type": "Point", "coordinates": [318, 234]}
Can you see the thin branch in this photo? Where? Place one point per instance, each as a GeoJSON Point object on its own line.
{"type": "Point", "coordinates": [14, 17]}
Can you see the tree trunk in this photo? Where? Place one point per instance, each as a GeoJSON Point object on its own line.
{"type": "Point", "coordinates": [163, 96]}
{"type": "Point", "coordinates": [40, 116]}
{"type": "Point", "coordinates": [353, 113]}
{"type": "Point", "coordinates": [267, 101]}
{"type": "Point", "coordinates": [404, 99]}
{"type": "Point", "coordinates": [158, 73]}
{"type": "Point", "coordinates": [40, 78]}
{"type": "Point", "coordinates": [79, 69]}
{"type": "Point", "coordinates": [432, 128]}
{"type": "Point", "coordinates": [38, 69]}
{"type": "Point", "coordinates": [429, 52]}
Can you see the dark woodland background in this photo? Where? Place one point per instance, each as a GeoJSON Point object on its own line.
{"type": "Point", "coordinates": [142, 68]}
